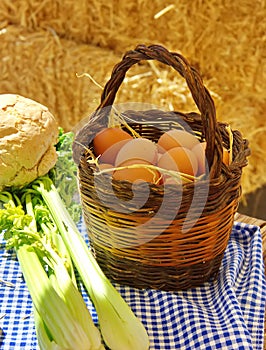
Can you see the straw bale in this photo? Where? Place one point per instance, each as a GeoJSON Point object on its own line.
{"type": "Point", "coordinates": [44, 67]}
{"type": "Point", "coordinates": [195, 26]}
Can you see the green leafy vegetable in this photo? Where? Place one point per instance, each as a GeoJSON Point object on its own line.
{"type": "Point", "coordinates": [64, 175]}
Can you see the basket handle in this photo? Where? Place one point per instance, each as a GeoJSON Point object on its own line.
{"type": "Point", "coordinates": [199, 92]}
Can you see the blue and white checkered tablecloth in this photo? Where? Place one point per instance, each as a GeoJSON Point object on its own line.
{"type": "Point", "coordinates": [226, 314]}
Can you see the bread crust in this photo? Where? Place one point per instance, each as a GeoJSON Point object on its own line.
{"type": "Point", "coordinates": [28, 133]}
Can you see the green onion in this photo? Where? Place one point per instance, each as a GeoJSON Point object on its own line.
{"type": "Point", "coordinates": [120, 328]}
{"type": "Point", "coordinates": [64, 329]}
{"type": "Point", "coordinates": [61, 316]}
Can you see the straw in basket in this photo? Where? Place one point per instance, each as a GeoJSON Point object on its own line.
{"type": "Point", "coordinates": [177, 238]}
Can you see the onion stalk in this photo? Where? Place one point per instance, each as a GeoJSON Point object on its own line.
{"type": "Point", "coordinates": [120, 328]}
{"type": "Point", "coordinates": [62, 319]}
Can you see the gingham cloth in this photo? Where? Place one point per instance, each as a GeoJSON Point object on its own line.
{"type": "Point", "coordinates": [226, 314]}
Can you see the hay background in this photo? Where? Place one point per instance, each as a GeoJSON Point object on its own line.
{"type": "Point", "coordinates": [44, 44]}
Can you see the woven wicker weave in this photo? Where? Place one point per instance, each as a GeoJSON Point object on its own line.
{"type": "Point", "coordinates": [146, 247]}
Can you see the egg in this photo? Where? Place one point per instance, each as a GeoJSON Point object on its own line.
{"type": "Point", "coordinates": [139, 148]}
{"type": "Point", "coordinates": [176, 138]}
{"type": "Point", "coordinates": [107, 137]}
{"type": "Point", "coordinates": [170, 180]}
{"type": "Point", "coordinates": [159, 154]}
{"type": "Point", "coordinates": [226, 156]}
{"type": "Point", "coordinates": [179, 159]}
{"type": "Point", "coordinates": [104, 166]}
{"type": "Point", "coordinates": [199, 151]}
{"type": "Point", "coordinates": [109, 156]}
{"type": "Point", "coordinates": [102, 173]}
{"type": "Point", "coordinates": [136, 174]}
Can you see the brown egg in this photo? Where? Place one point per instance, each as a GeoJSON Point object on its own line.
{"type": "Point", "coordinates": [199, 151]}
{"type": "Point", "coordinates": [107, 137]}
{"type": "Point", "coordinates": [137, 173]}
{"type": "Point", "coordinates": [139, 148]}
{"type": "Point", "coordinates": [176, 138]}
{"type": "Point", "coordinates": [109, 156]}
{"type": "Point", "coordinates": [170, 180]}
{"type": "Point", "coordinates": [103, 166]}
{"type": "Point", "coordinates": [159, 156]}
{"type": "Point", "coordinates": [179, 159]}
{"type": "Point", "coordinates": [226, 156]}
{"type": "Point", "coordinates": [102, 170]}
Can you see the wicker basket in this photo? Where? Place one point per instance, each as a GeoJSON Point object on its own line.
{"type": "Point", "coordinates": [145, 247]}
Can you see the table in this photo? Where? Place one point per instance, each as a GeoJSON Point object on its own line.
{"type": "Point", "coordinates": [171, 319]}
{"type": "Point", "coordinates": [262, 225]}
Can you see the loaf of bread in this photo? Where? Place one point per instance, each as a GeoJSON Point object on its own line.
{"type": "Point", "coordinates": [28, 134]}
